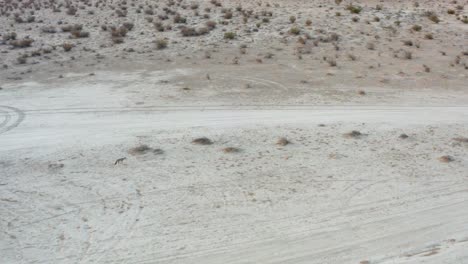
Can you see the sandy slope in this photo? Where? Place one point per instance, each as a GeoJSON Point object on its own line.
{"type": "Point", "coordinates": [324, 198]}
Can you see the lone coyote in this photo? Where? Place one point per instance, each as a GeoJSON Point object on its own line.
{"type": "Point", "coordinates": [119, 161]}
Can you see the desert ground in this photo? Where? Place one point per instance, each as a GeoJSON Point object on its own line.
{"type": "Point", "coordinates": [239, 131]}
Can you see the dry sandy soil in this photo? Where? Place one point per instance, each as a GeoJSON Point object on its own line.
{"type": "Point", "coordinates": [98, 163]}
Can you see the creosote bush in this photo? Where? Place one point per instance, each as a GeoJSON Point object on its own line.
{"type": "Point", "coordinates": [230, 35]}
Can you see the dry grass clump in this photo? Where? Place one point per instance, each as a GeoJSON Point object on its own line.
{"type": "Point", "coordinates": [161, 44]}
{"type": "Point", "coordinates": [403, 136]}
{"type": "Point", "coordinates": [67, 46]}
{"type": "Point", "coordinates": [230, 35]}
{"type": "Point", "coordinates": [354, 9]}
{"type": "Point", "coordinates": [70, 28]}
{"type": "Point", "coordinates": [9, 36]}
{"type": "Point", "coordinates": [432, 16]}
{"type": "Point", "coordinates": [446, 159]}
{"type": "Point", "coordinates": [188, 32]}
{"type": "Point", "coordinates": [139, 150]}
{"type": "Point", "coordinates": [461, 139]}
{"type": "Point", "coordinates": [295, 31]}
{"type": "Point", "coordinates": [21, 43]}
{"type": "Point", "coordinates": [283, 141]}
{"type": "Point", "coordinates": [49, 29]}
{"type": "Point", "coordinates": [202, 141]}
{"type": "Point", "coordinates": [79, 34]}
{"type": "Point", "coordinates": [353, 134]}
{"type": "Point", "coordinates": [231, 150]}
{"type": "Point", "coordinates": [362, 92]}
{"type": "Point", "coordinates": [416, 28]}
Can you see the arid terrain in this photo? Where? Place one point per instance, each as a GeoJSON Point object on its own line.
{"type": "Point", "coordinates": [236, 131]}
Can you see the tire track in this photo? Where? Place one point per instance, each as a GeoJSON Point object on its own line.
{"type": "Point", "coordinates": [13, 117]}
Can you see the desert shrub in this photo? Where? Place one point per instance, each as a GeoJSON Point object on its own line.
{"type": "Point", "coordinates": [354, 9]}
{"type": "Point", "coordinates": [432, 16]}
{"type": "Point", "coordinates": [295, 31]}
{"type": "Point", "coordinates": [48, 29]}
{"type": "Point", "coordinates": [231, 150]}
{"type": "Point", "coordinates": [446, 159]}
{"type": "Point", "coordinates": [370, 46]}
{"type": "Point", "coordinates": [416, 28]}
{"type": "Point", "coordinates": [179, 19]}
{"type": "Point", "coordinates": [308, 22]}
{"type": "Point", "coordinates": [119, 32]}
{"type": "Point", "coordinates": [9, 36]}
{"type": "Point", "coordinates": [355, 19]}
{"type": "Point", "coordinates": [67, 46]}
{"type": "Point", "coordinates": [407, 54]}
{"type": "Point", "coordinates": [429, 36]}
{"type": "Point", "coordinates": [202, 141]}
{"type": "Point", "coordinates": [188, 32]}
{"type": "Point", "coordinates": [203, 31]}
{"type": "Point", "coordinates": [229, 35]}
{"type": "Point", "coordinates": [80, 34]}
{"type": "Point", "coordinates": [71, 11]}
{"type": "Point", "coordinates": [128, 25]}
{"type": "Point", "coordinates": [408, 43]}
{"type": "Point", "coordinates": [353, 134]}
{"type": "Point", "coordinates": [22, 43]}
{"type": "Point", "coordinates": [283, 141]}
{"type": "Point", "coordinates": [22, 59]}
{"type": "Point", "coordinates": [331, 62]}
{"type": "Point", "coordinates": [161, 44]}
{"type": "Point", "coordinates": [450, 11]}
{"type": "Point", "coordinates": [117, 40]}
{"type": "Point", "coordinates": [228, 15]}
{"type": "Point", "coordinates": [292, 19]}
{"type": "Point", "coordinates": [211, 24]}
{"type": "Point", "coordinates": [352, 57]}
{"type": "Point", "coordinates": [70, 28]}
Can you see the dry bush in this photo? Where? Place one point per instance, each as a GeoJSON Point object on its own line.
{"type": "Point", "coordinates": [292, 19]}
{"type": "Point", "coordinates": [362, 92]}
{"type": "Point", "coordinates": [21, 43]}
{"type": "Point", "coordinates": [161, 44]}
{"type": "Point", "coordinates": [117, 40]}
{"type": "Point", "coordinates": [408, 43]}
{"type": "Point", "coordinates": [429, 36]}
{"type": "Point", "coordinates": [70, 28]}
{"type": "Point", "coordinates": [139, 150]}
{"type": "Point", "coordinates": [295, 31]}
{"type": "Point", "coordinates": [128, 25]}
{"type": "Point", "coordinates": [353, 134]}
{"type": "Point", "coordinates": [49, 29]}
{"type": "Point", "coordinates": [179, 19]}
{"type": "Point", "coordinates": [446, 159]}
{"type": "Point", "coordinates": [22, 59]}
{"type": "Point", "coordinates": [67, 46]}
{"type": "Point", "coordinates": [432, 16]}
{"type": "Point", "coordinates": [426, 68]}
{"type": "Point", "coordinates": [355, 19]}
{"type": "Point", "coordinates": [416, 28]}
{"type": "Point", "coordinates": [228, 15]}
{"type": "Point", "coordinates": [403, 136]}
{"type": "Point", "coordinates": [211, 24]}
{"type": "Point", "coordinates": [354, 9]}
{"type": "Point", "coordinates": [9, 36]}
{"type": "Point", "coordinates": [230, 35]}
{"type": "Point", "coordinates": [461, 139]}
{"type": "Point", "coordinates": [407, 54]}
{"type": "Point", "coordinates": [308, 22]}
{"type": "Point", "coordinates": [331, 62]}
{"type": "Point", "coordinates": [282, 141]}
{"type": "Point", "coordinates": [119, 32]}
{"type": "Point", "coordinates": [80, 34]}
{"type": "Point", "coordinates": [188, 32]}
{"type": "Point", "coordinates": [202, 141]}
{"type": "Point", "coordinates": [231, 150]}
{"type": "Point", "coordinates": [352, 57]}
{"type": "Point", "coordinates": [370, 46]}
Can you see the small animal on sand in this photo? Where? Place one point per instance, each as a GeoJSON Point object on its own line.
{"type": "Point", "coordinates": [119, 161]}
